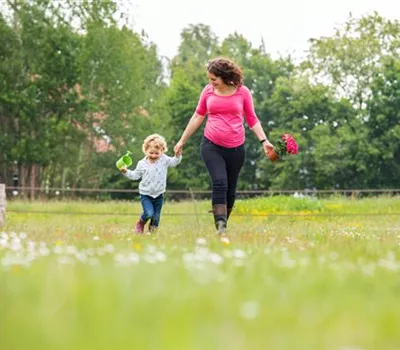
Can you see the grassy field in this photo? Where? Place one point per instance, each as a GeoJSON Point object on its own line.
{"type": "Point", "coordinates": [298, 273]}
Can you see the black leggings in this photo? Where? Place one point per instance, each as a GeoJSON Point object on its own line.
{"type": "Point", "coordinates": [224, 166]}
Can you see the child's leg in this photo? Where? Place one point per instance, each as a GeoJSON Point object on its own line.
{"type": "Point", "coordinates": [148, 212]}
{"type": "Point", "coordinates": [157, 206]}
{"type": "Point", "coordinates": [147, 205]}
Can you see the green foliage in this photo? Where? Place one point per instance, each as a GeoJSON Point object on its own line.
{"type": "Point", "coordinates": [182, 99]}
{"type": "Point", "coordinates": [349, 59]}
{"type": "Point", "coordinates": [280, 204]}
{"type": "Point", "coordinates": [79, 87]}
{"type": "Point", "coordinates": [188, 78]}
{"type": "Point", "coordinates": [384, 126]}
{"type": "Point", "coordinates": [75, 91]}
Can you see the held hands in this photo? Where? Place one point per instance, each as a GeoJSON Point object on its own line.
{"type": "Point", "coordinates": [267, 146]}
{"type": "Point", "coordinates": [178, 148]}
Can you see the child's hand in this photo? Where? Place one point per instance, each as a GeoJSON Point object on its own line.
{"type": "Point", "coordinates": [123, 170]}
{"type": "Point", "coordinates": [178, 149]}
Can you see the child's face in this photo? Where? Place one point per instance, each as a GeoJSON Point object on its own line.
{"type": "Point", "coordinates": [153, 153]}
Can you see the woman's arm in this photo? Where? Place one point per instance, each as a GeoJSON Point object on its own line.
{"type": "Point", "coordinates": [253, 122]}
{"type": "Point", "coordinates": [259, 132]}
{"type": "Point", "coordinates": [194, 123]}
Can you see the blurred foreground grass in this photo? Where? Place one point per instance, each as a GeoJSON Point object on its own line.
{"type": "Point", "coordinates": [77, 278]}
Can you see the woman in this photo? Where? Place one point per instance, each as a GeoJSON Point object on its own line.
{"type": "Point", "coordinates": [225, 100]}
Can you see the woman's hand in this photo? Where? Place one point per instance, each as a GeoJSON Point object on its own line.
{"type": "Point", "coordinates": [178, 148]}
{"type": "Point", "coordinates": [123, 170]}
{"type": "Point", "coordinates": [267, 146]}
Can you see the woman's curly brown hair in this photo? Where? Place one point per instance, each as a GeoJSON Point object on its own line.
{"type": "Point", "coordinates": [224, 68]}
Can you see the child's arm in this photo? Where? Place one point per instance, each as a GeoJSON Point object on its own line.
{"type": "Point", "coordinates": [135, 174]}
{"type": "Point", "coordinates": [174, 161]}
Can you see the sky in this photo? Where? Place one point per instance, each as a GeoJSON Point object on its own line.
{"type": "Point", "coordinates": [285, 25]}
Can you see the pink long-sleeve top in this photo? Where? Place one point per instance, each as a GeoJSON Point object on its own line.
{"type": "Point", "coordinates": [224, 125]}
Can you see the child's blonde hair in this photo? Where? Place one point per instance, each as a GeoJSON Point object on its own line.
{"type": "Point", "coordinates": [157, 141]}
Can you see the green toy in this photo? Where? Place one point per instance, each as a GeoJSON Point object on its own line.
{"type": "Point", "coordinates": [124, 161]}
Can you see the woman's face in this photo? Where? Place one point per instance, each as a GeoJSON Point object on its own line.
{"type": "Point", "coordinates": [215, 81]}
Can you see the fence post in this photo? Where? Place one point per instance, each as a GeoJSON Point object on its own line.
{"type": "Point", "coordinates": [2, 204]}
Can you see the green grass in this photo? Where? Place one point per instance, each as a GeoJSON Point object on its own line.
{"type": "Point", "coordinates": [292, 277]}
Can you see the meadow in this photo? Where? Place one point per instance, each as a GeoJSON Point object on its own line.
{"type": "Point", "coordinates": [296, 273]}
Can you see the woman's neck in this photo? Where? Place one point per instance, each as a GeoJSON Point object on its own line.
{"type": "Point", "coordinates": [226, 90]}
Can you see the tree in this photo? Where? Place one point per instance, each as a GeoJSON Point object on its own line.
{"type": "Point", "coordinates": [384, 126]}
{"type": "Point", "coordinates": [317, 121]}
{"type": "Point", "coordinates": [73, 88]}
{"type": "Point", "coordinates": [120, 76]}
{"type": "Point", "coordinates": [45, 95]}
{"type": "Point", "coordinates": [349, 59]}
{"type": "Point", "coordinates": [188, 78]}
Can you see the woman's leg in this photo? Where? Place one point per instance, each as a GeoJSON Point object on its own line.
{"type": "Point", "coordinates": [215, 163]}
{"type": "Point", "coordinates": [234, 160]}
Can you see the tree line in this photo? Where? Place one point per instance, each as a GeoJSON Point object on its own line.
{"type": "Point", "coordinates": [79, 87]}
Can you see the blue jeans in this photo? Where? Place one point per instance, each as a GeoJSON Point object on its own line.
{"type": "Point", "coordinates": [151, 209]}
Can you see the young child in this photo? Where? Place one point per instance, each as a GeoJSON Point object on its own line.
{"type": "Point", "coordinates": [152, 169]}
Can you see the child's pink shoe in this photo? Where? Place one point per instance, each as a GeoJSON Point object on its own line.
{"type": "Point", "coordinates": [140, 226]}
